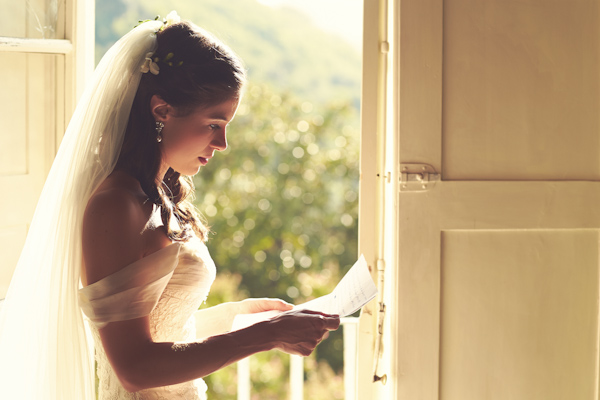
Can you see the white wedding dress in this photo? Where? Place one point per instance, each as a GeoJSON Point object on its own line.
{"type": "Point", "coordinates": [168, 285]}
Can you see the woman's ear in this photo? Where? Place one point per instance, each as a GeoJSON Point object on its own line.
{"type": "Point", "coordinates": [161, 110]}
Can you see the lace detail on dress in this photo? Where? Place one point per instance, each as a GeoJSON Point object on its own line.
{"type": "Point", "coordinates": [170, 321]}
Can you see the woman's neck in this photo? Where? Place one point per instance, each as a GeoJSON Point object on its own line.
{"type": "Point", "coordinates": [162, 171]}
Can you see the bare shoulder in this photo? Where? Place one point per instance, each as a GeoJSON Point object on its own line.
{"type": "Point", "coordinates": [114, 205]}
{"type": "Point", "coordinates": [113, 223]}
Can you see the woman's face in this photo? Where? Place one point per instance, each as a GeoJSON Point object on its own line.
{"type": "Point", "coordinates": [190, 141]}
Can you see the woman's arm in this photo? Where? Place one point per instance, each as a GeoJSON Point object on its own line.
{"type": "Point", "coordinates": [113, 237]}
{"type": "Point", "coordinates": [141, 363]}
{"type": "Point", "coordinates": [218, 319]}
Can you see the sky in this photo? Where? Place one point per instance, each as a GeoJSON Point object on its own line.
{"type": "Point", "coordinates": [343, 17]}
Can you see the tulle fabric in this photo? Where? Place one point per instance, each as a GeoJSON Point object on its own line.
{"type": "Point", "coordinates": [168, 286]}
{"type": "Point", "coordinates": [44, 351]}
{"type": "Point", "coordinates": [131, 292]}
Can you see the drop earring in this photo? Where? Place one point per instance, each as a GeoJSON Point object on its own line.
{"type": "Point", "coordinates": [159, 128]}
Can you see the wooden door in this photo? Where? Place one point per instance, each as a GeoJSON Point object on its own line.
{"type": "Point", "coordinates": [27, 146]}
{"type": "Point", "coordinates": [497, 286]}
{"type": "Point", "coordinates": [28, 115]}
{"type": "Point", "coordinates": [46, 55]}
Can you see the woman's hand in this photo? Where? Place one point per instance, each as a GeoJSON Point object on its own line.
{"type": "Point", "coordinates": [251, 306]}
{"type": "Point", "coordinates": [299, 332]}
{"type": "Point", "coordinates": [294, 332]}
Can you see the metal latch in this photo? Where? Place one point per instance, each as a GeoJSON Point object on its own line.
{"type": "Point", "coordinates": [417, 177]}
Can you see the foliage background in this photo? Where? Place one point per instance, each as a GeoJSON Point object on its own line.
{"type": "Point", "coordinates": [282, 200]}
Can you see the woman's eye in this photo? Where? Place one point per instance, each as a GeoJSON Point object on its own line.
{"type": "Point", "coordinates": [214, 127]}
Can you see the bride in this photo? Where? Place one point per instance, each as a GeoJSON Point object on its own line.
{"type": "Point", "coordinates": [115, 235]}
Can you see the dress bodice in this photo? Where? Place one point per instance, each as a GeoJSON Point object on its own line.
{"type": "Point", "coordinates": [168, 286]}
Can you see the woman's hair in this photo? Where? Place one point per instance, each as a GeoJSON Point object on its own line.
{"type": "Point", "coordinates": [196, 70]}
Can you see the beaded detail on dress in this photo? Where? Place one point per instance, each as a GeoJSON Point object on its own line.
{"type": "Point", "coordinates": [171, 319]}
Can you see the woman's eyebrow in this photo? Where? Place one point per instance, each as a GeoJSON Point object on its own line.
{"type": "Point", "coordinates": [222, 118]}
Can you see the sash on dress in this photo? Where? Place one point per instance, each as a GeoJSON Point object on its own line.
{"type": "Point", "coordinates": [131, 292]}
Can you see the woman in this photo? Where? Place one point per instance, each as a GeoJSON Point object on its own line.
{"type": "Point", "coordinates": [117, 199]}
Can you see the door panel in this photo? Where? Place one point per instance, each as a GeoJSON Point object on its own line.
{"type": "Point", "coordinates": [498, 263]}
{"type": "Point", "coordinates": [548, 230]}
{"type": "Point", "coordinates": [521, 90]}
{"type": "Point", "coordinates": [519, 314]}
{"type": "Point", "coordinates": [28, 146]}
{"type": "Point", "coordinates": [13, 153]}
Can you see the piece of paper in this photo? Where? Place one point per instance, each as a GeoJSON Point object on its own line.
{"type": "Point", "coordinates": [354, 291]}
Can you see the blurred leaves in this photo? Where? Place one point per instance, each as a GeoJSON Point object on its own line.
{"type": "Point", "coordinates": [283, 204]}
{"type": "Point", "coordinates": [283, 198]}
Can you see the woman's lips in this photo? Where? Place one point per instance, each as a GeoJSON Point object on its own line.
{"type": "Point", "coordinates": [203, 160]}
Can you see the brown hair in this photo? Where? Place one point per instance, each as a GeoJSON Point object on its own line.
{"type": "Point", "coordinates": [196, 70]}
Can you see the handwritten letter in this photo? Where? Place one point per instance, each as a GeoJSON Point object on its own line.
{"type": "Point", "coordinates": [354, 291]}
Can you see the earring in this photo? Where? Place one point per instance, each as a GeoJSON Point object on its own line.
{"type": "Point", "coordinates": [159, 128]}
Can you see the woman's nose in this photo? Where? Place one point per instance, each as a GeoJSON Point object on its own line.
{"type": "Point", "coordinates": [219, 143]}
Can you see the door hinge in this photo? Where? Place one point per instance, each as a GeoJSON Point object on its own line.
{"type": "Point", "coordinates": [417, 177]}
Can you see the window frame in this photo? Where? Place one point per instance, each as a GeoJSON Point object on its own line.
{"type": "Point", "coordinates": [72, 68]}
{"type": "Point", "coordinates": [373, 178]}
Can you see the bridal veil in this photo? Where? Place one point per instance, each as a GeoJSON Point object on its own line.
{"type": "Point", "coordinates": [44, 352]}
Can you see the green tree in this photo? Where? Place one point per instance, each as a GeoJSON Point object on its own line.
{"type": "Point", "coordinates": [283, 204]}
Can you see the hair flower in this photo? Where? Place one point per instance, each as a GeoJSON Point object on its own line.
{"type": "Point", "coordinates": [172, 18]}
{"type": "Point", "coordinates": [150, 65]}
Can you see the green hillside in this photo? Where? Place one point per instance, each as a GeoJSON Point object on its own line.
{"type": "Point", "coordinates": [279, 46]}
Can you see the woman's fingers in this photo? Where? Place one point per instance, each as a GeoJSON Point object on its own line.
{"type": "Point", "coordinates": [307, 311]}
{"type": "Point", "coordinates": [302, 330]}
{"type": "Point", "coordinates": [275, 304]}
{"type": "Point", "coordinates": [250, 306]}
{"type": "Point", "coordinates": [329, 322]}
{"type": "Point", "coordinates": [333, 322]}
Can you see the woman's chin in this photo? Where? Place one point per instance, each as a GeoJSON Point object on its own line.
{"type": "Point", "coordinates": [194, 171]}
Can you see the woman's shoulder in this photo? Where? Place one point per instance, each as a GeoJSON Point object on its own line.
{"type": "Point", "coordinates": [113, 223]}
{"type": "Point", "coordinates": [118, 200]}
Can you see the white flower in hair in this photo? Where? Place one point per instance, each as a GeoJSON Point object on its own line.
{"type": "Point", "coordinates": [172, 18]}
{"type": "Point", "coordinates": [149, 65]}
